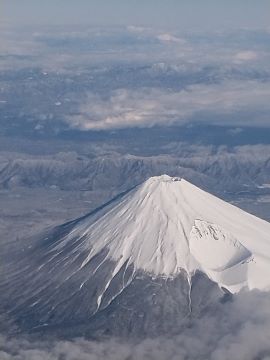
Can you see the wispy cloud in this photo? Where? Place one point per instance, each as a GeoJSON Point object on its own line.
{"type": "Point", "coordinates": [167, 37]}
{"type": "Point", "coordinates": [247, 55]}
{"type": "Point", "coordinates": [147, 107]}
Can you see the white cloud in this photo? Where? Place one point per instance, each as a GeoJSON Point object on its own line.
{"type": "Point", "coordinates": [243, 56]}
{"type": "Point", "coordinates": [138, 29]}
{"type": "Point", "coordinates": [170, 38]}
{"type": "Point", "coordinates": [147, 107]}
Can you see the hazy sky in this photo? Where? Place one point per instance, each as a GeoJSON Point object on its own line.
{"type": "Point", "coordinates": [183, 14]}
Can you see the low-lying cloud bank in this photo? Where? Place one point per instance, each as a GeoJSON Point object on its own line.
{"type": "Point", "coordinates": [238, 329]}
{"type": "Point", "coordinates": [147, 107]}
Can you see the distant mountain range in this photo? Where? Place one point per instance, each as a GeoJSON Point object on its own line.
{"type": "Point", "coordinates": [243, 169]}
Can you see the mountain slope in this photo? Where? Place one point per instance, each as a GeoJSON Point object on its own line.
{"type": "Point", "coordinates": [144, 263]}
{"type": "Point", "coordinates": [167, 225]}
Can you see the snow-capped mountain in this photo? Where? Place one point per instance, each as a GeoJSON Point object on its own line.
{"type": "Point", "coordinates": [146, 262]}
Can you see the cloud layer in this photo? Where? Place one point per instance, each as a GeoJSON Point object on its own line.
{"type": "Point", "coordinates": [147, 107]}
{"type": "Point", "coordinates": [238, 329]}
{"type": "Point", "coordinates": [108, 78]}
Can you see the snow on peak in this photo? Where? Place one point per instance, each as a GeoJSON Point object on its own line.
{"type": "Point", "coordinates": [167, 225]}
{"type": "Point", "coordinates": [162, 178]}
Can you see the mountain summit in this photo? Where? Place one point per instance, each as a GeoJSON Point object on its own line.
{"type": "Point", "coordinates": [158, 251]}
{"type": "Point", "coordinates": [167, 225]}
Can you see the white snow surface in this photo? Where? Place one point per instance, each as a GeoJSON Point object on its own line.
{"type": "Point", "coordinates": [167, 225]}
